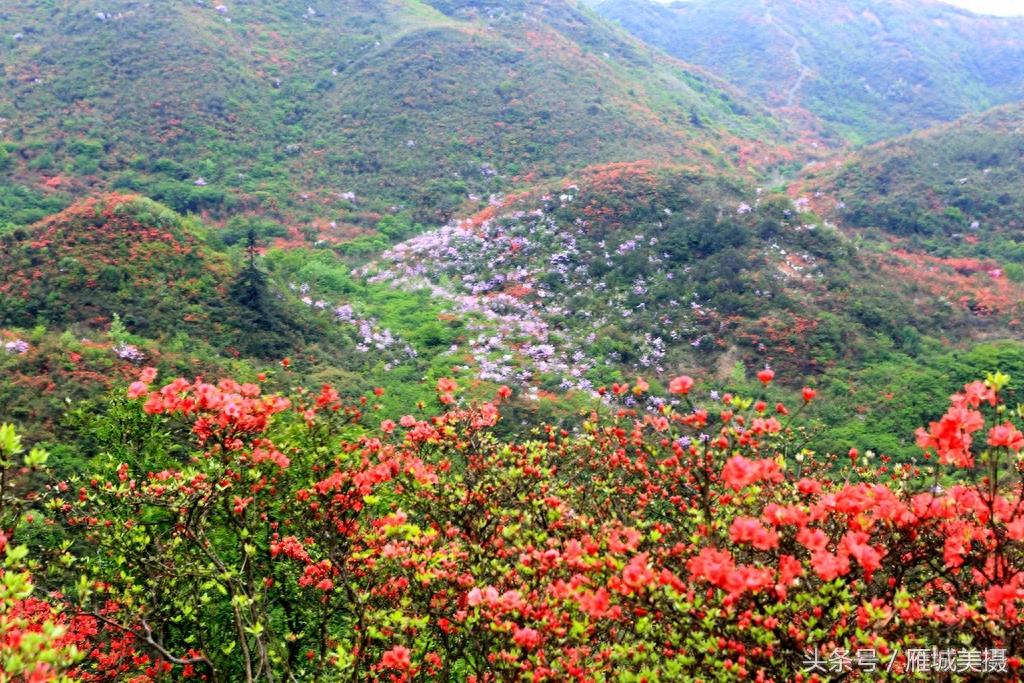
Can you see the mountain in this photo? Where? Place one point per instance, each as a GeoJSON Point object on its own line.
{"type": "Point", "coordinates": [868, 69]}
{"type": "Point", "coordinates": [451, 340]}
{"type": "Point", "coordinates": [647, 269]}
{"type": "Point", "coordinates": [951, 190]}
{"type": "Point", "coordinates": [605, 209]}
{"type": "Point", "coordinates": [341, 111]}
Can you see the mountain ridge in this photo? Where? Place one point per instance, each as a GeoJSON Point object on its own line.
{"type": "Point", "coordinates": [304, 113]}
{"type": "Point", "coordinates": [867, 70]}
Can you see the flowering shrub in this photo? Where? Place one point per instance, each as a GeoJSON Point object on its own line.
{"type": "Point", "coordinates": [18, 346]}
{"type": "Point", "coordinates": [41, 637]}
{"type": "Point", "coordinates": [267, 538]}
{"type": "Point", "coordinates": [624, 271]}
{"type": "Point", "coordinates": [129, 352]}
{"type": "Point", "coordinates": [31, 647]}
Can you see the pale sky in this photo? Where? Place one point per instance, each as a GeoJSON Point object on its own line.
{"type": "Point", "coordinates": [1006, 7]}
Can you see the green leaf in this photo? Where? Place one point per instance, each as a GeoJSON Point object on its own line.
{"type": "Point", "coordinates": [10, 442]}
{"type": "Point", "coordinates": [15, 554]}
{"type": "Point", "coordinates": [36, 458]}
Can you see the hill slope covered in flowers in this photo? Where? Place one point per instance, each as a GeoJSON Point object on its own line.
{"type": "Point", "coordinates": [620, 270]}
{"type": "Point", "coordinates": [224, 532]}
{"type": "Point", "coordinates": [114, 254]}
{"type": "Point", "coordinates": [477, 341]}
{"type": "Point", "coordinates": [641, 268]}
{"type": "Point", "coordinates": [949, 190]}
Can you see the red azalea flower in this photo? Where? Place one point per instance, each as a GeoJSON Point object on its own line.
{"type": "Point", "coordinates": [399, 657]}
{"type": "Point", "coordinates": [526, 638]}
{"type": "Point", "coordinates": [681, 385]}
{"type": "Point", "coordinates": [750, 530]}
{"type": "Point", "coordinates": [1006, 435]}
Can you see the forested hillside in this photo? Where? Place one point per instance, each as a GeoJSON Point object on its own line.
{"type": "Point", "coordinates": [336, 113]}
{"type": "Point", "coordinates": [867, 70]}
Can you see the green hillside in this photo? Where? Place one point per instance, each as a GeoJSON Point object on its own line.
{"type": "Point", "coordinates": [953, 190]}
{"type": "Point", "coordinates": [339, 112]}
{"type": "Point", "coordinates": [867, 69]}
{"type": "Point", "coordinates": [631, 269]}
{"type": "Point", "coordinates": [946, 200]}
{"type": "Point", "coordinates": [617, 271]}
{"type": "Point", "coordinates": [117, 254]}
{"type": "Point", "coordinates": [115, 282]}
{"type": "Point", "coordinates": [123, 262]}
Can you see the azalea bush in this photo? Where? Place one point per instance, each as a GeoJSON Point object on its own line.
{"type": "Point", "coordinates": [42, 638]}
{"type": "Point", "coordinates": [231, 534]}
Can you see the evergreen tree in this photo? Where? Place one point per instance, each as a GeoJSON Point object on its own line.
{"type": "Point", "coordinates": [250, 287]}
{"type": "Point", "coordinates": [264, 329]}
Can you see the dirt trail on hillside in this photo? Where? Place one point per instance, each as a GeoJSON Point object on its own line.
{"type": "Point", "coordinates": [794, 50]}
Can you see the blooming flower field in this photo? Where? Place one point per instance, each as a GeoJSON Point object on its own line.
{"type": "Point", "coordinates": [625, 270]}
{"type": "Point", "coordinates": [464, 341]}
{"type": "Point", "coordinates": [268, 538]}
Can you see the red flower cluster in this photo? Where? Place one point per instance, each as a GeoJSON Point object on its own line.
{"type": "Point", "coordinates": [665, 543]}
{"type": "Point", "coordinates": [226, 410]}
{"type": "Point", "coordinates": [950, 437]}
{"type": "Point", "coordinates": [740, 472]}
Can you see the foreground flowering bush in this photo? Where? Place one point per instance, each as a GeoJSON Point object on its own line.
{"type": "Point", "coordinates": [239, 536]}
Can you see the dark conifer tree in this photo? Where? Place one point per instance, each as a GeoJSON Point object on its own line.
{"type": "Point", "coordinates": [265, 330]}
{"type": "Point", "coordinates": [250, 287]}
